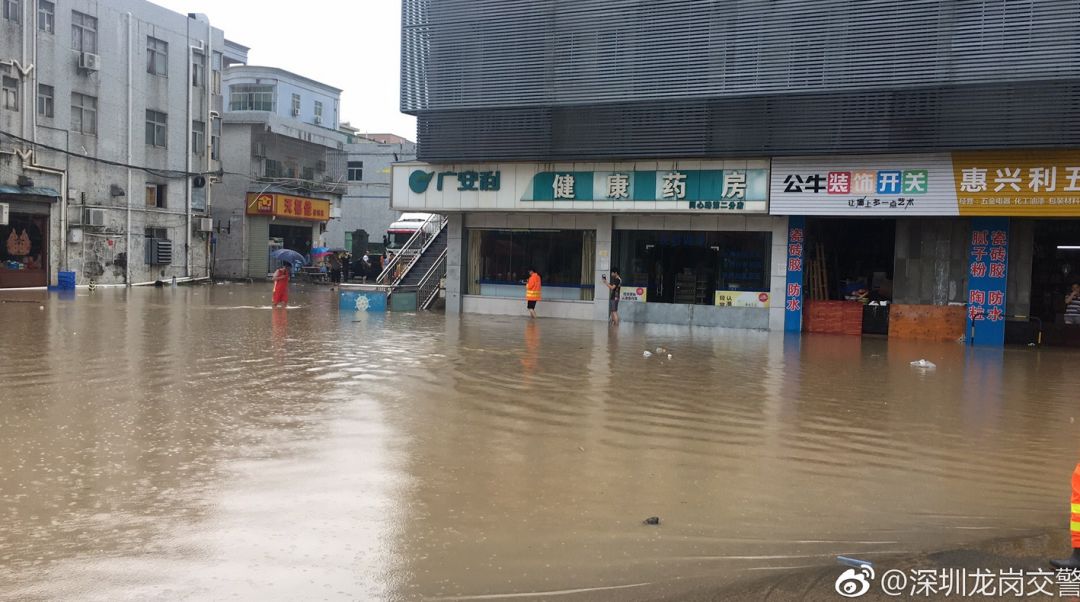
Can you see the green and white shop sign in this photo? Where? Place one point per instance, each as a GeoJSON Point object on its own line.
{"type": "Point", "coordinates": [726, 186]}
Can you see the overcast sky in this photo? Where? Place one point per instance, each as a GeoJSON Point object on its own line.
{"type": "Point", "coordinates": [353, 45]}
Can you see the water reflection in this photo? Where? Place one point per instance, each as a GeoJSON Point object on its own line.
{"type": "Point", "coordinates": [192, 442]}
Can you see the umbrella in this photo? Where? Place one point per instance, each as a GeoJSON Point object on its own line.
{"type": "Point", "coordinates": [320, 251]}
{"type": "Point", "coordinates": [288, 255]}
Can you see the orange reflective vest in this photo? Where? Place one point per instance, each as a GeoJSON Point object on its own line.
{"type": "Point", "coordinates": [532, 288]}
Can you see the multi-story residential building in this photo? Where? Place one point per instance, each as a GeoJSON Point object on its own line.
{"type": "Point", "coordinates": [365, 209]}
{"type": "Point", "coordinates": [284, 166]}
{"type": "Point", "coordinates": [108, 131]}
{"type": "Point", "coordinates": [754, 164]}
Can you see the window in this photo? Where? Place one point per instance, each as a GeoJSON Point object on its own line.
{"type": "Point", "coordinates": [499, 260]}
{"type": "Point", "coordinates": [274, 169]}
{"type": "Point", "coordinates": [215, 139]}
{"type": "Point", "coordinates": [12, 9]}
{"type": "Point", "coordinates": [155, 197]}
{"type": "Point", "coordinates": [10, 92]}
{"type": "Point", "coordinates": [215, 69]}
{"type": "Point", "coordinates": [690, 267]}
{"type": "Point", "coordinates": [295, 104]}
{"type": "Point", "coordinates": [83, 113]}
{"type": "Point", "coordinates": [83, 32]}
{"type": "Point", "coordinates": [46, 16]}
{"type": "Point", "coordinates": [308, 174]}
{"type": "Point", "coordinates": [156, 128]}
{"type": "Point", "coordinates": [251, 98]}
{"type": "Point", "coordinates": [356, 171]}
{"type": "Point", "coordinates": [198, 137]}
{"type": "Point", "coordinates": [318, 112]}
{"type": "Point", "coordinates": [45, 100]}
{"type": "Point", "coordinates": [198, 71]}
{"type": "Point", "coordinates": [157, 56]}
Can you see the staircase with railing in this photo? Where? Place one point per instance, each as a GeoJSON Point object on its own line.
{"type": "Point", "coordinates": [420, 263]}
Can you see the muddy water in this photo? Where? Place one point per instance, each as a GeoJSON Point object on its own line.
{"type": "Point", "coordinates": [192, 443]}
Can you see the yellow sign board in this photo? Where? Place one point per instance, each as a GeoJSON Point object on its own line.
{"type": "Point", "coordinates": [1017, 183]}
{"type": "Point", "coordinates": [742, 299]}
{"type": "Point", "coordinates": [288, 206]}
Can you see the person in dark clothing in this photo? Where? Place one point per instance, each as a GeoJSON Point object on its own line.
{"type": "Point", "coordinates": [335, 268]}
{"type": "Point", "coordinates": [615, 287]}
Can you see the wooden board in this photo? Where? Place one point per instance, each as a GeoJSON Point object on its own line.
{"type": "Point", "coordinates": [927, 322]}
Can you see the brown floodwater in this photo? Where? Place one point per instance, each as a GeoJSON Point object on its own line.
{"type": "Point", "coordinates": [191, 443]}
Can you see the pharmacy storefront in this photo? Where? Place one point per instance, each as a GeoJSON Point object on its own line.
{"type": "Point", "coordinates": [692, 239]}
{"type": "Point", "coordinates": [973, 245]}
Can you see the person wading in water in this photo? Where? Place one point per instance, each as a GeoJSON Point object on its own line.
{"type": "Point", "coordinates": [281, 286]}
{"type": "Point", "coordinates": [532, 292]}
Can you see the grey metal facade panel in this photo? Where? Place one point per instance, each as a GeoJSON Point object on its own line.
{"type": "Point", "coordinates": [479, 54]}
{"type": "Point", "coordinates": [1042, 114]}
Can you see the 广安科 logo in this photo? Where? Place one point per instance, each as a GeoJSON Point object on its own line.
{"type": "Point", "coordinates": [854, 583]}
{"type": "Point", "coordinates": [419, 180]}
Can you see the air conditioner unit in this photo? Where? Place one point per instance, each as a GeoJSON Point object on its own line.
{"type": "Point", "coordinates": [335, 212]}
{"type": "Point", "coordinates": [158, 251]}
{"type": "Point", "coordinates": [94, 217]}
{"type": "Point", "coordinates": [259, 149]}
{"type": "Point", "coordinates": [205, 224]}
{"type": "Point", "coordinates": [89, 61]}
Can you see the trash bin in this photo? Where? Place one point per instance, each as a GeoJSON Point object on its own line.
{"type": "Point", "coordinates": [65, 281]}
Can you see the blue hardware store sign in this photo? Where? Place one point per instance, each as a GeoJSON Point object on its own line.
{"type": "Point", "coordinates": [987, 280]}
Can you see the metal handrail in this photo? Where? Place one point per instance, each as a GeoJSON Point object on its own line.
{"type": "Point", "coordinates": [416, 257]}
{"type": "Point", "coordinates": [406, 249]}
{"type": "Point", "coordinates": [424, 299]}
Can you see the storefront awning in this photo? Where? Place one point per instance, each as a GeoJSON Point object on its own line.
{"type": "Point", "coordinates": [29, 191]}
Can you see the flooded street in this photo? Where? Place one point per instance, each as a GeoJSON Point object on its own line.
{"type": "Point", "coordinates": [191, 443]}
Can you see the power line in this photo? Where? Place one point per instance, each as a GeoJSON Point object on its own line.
{"type": "Point", "coordinates": [176, 174]}
{"type": "Point", "coordinates": [296, 184]}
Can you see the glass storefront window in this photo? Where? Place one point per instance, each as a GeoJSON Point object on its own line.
{"type": "Point", "coordinates": [499, 262]}
{"type": "Point", "coordinates": [24, 251]}
{"type": "Point", "coordinates": [691, 267]}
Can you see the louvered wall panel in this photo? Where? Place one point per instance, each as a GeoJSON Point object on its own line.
{"type": "Point", "coordinates": [570, 78]}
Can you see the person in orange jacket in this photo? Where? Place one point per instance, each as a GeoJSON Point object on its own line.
{"type": "Point", "coordinates": [532, 292]}
{"type": "Point", "coordinates": [1073, 561]}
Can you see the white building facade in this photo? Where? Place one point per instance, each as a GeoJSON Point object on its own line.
{"type": "Point", "coordinates": [284, 164]}
{"type": "Point", "coordinates": [365, 209]}
{"type": "Point", "coordinates": [108, 136]}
